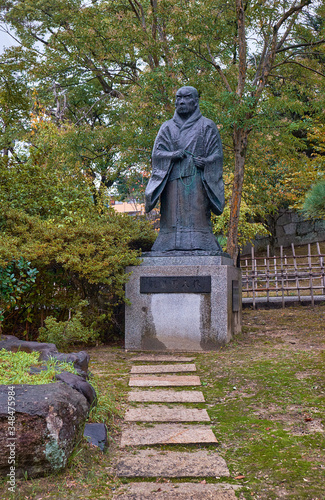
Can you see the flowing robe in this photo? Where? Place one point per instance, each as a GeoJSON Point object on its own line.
{"type": "Point", "coordinates": [187, 193]}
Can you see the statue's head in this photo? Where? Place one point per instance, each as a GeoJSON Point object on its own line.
{"type": "Point", "coordinates": [187, 100]}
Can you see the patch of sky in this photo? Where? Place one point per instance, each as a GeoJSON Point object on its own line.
{"type": "Point", "coordinates": [7, 38]}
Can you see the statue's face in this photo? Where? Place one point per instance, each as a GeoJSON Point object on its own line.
{"type": "Point", "coordinates": [185, 102]}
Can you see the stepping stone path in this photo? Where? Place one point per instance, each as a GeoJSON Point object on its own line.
{"type": "Point", "coordinates": [163, 368]}
{"type": "Point", "coordinates": [167, 381]}
{"type": "Point", "coordinates": [182, 491]}
{"type": "Point", "coordinates": [167, 434]}
{"type": "Point", "coordinates": [166, 396]}
{"type": "Point", "coordinates": [153, 463]}
{"type": "Point", "coordinates": [159, 413]}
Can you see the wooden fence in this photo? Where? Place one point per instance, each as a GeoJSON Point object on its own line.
{"type": "Point", "coordinates": [285, 277]}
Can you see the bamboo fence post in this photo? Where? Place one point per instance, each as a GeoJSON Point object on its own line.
{"type": "Point", "coordinates": [268, 273]}
{"type": "Point", "coordinates": [286, 273]}
{"type": "Point", "coordinates": [264, 277]}
{"type": "Point", "coordinates": [282, 276]}
{"type": "Point", "coordinates": [275, 276]}
{"type": "Point", "coordinates": [247, 282]}
{"type": "Point", "coordinates": [321, 263]}
{"type": "Point", "coordinates": [310, 276]}
{"type": "Point", "coordinates": [296, 269]}
{"type": "Point", "coordinates": [253, 277]}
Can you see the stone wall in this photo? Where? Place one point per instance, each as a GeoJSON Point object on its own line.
{"type": "Point", "coordinates": [291, 227]}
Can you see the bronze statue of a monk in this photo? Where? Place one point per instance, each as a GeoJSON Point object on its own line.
{"type": "Point", "coordinates": [187, 176]}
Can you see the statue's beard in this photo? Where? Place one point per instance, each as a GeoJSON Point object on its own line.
{"type": "Point", "coordinates": [185, 112]}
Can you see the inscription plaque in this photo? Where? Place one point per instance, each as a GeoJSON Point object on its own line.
{"type": "Point", "coordinates": [235, 296]}
{"type": "Point", "coordinates": [175, 284]}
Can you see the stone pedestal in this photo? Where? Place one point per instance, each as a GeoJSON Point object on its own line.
{"type": "Point", "coordinates": [182, 303]}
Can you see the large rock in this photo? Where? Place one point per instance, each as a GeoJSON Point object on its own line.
{"type": "Point", "coordinates": [79, 385]}
{"type": "Point", "coordinates": [49, 422]}
{"type": "Point", "coordinates": [96, 434]}
{"type": "Point", "coordinates": [12, 343]}
{"type": "Point", "coordinates": [80, 359]}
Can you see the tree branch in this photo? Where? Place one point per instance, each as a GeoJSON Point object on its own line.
{"type": "Point", "coordinates": [91, 107]}
{"type": "Point", "coordinates": [262, 58]}
{"type": "Point", "coordinates": [108, 89]}
{"type": "Point", "coordinates": [241, 46]}
{"type": "Point", "coordinates": [55, 35]}
{"type": "Point", "coordinates": [287, 31]}
{"type": "Point", "coordinates": [217, 67]}
{"type": "Point", "coordinates": [289, 13]}
{"type": "Point", "coordinates": [154, 18]}
{"type": "Point", "coordinates": [140, 13]}
{"type": "Point", "coordinates": [271, 53]}
{"type": "Point", "coordinates": [135, 10]}
{"type": "Point", "coordinates": [300, 64]}
{"type": "Point", "coordinates": [310, 44]}
{"type": "Point", "coordinates": [6, 30]}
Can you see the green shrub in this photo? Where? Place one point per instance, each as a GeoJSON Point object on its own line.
{"type": "Point", "coordinates": [66, 333]}
{"type": "Point", "coordinates": [83, 259]}
{"type": "Point", "coordinates": [16, 278]}
{"type": "Point", "coordinates": [314, 205]}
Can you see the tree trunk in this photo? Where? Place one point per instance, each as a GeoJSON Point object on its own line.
{"type": "Point", "coordinates": [240, 139]}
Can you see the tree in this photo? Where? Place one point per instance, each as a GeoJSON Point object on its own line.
{"type": "Point", "coordinates": [314, 205]}
{"type": "Point", "coordinates": [112, 68]}
{"type": "Point", "coordinates": [14, 101]}
{"type": "Point", "coordinates": [253, 63]}
{"type": "Point", "coordinates": [279, 37]}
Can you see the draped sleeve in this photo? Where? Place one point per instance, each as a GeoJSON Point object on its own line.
{"type": "Point", "coordinates": [161, 163]}
{"type": "Point", "coordinates": [212, 173]}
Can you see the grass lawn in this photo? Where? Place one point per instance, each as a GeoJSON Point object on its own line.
{"type": "Point", "coordinates": [265, 395]}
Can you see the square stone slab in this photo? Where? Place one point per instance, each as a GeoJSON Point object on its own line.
{"type": "Point", "coordinates": [161, 358]}
{"type": "Point", "coordinates": [155, 463]}
{"type": "Point", "coordinates": [135, 435]}
{"type": "Point", "coordinates": [166, 396]}
{"type": "Point", "coordinates": [160, 413]}
{"type": "Point", "coordinates": [179, 491]}
{"type": "Point", "coordinates": [163, 368]}
{"type": "Point", "coordinates": [165, 381]}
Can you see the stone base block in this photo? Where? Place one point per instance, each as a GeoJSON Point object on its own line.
{"type": "Point", "coordinates": [179, 491]}
{"type": "Point", "coordinates": [187, 303]}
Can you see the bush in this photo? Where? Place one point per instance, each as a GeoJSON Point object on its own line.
{"type": "Point", "coordinates": [314, 205]}
{"type": "Point", "coordinates": [52, 216]}
{"type": "Point", "coordinates": [76, 260]}
{"type": "Point", "coordinates": [66, 333]}
{"type": "Point", "coordinates": [16, 278]}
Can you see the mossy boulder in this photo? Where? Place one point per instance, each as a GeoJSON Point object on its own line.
{"type": "Point", "coordinates": [48, 420]}
{"type": "Point", "coordinates": [79, 359]}
{"type": "Point", "coordinates": [41, 425]}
